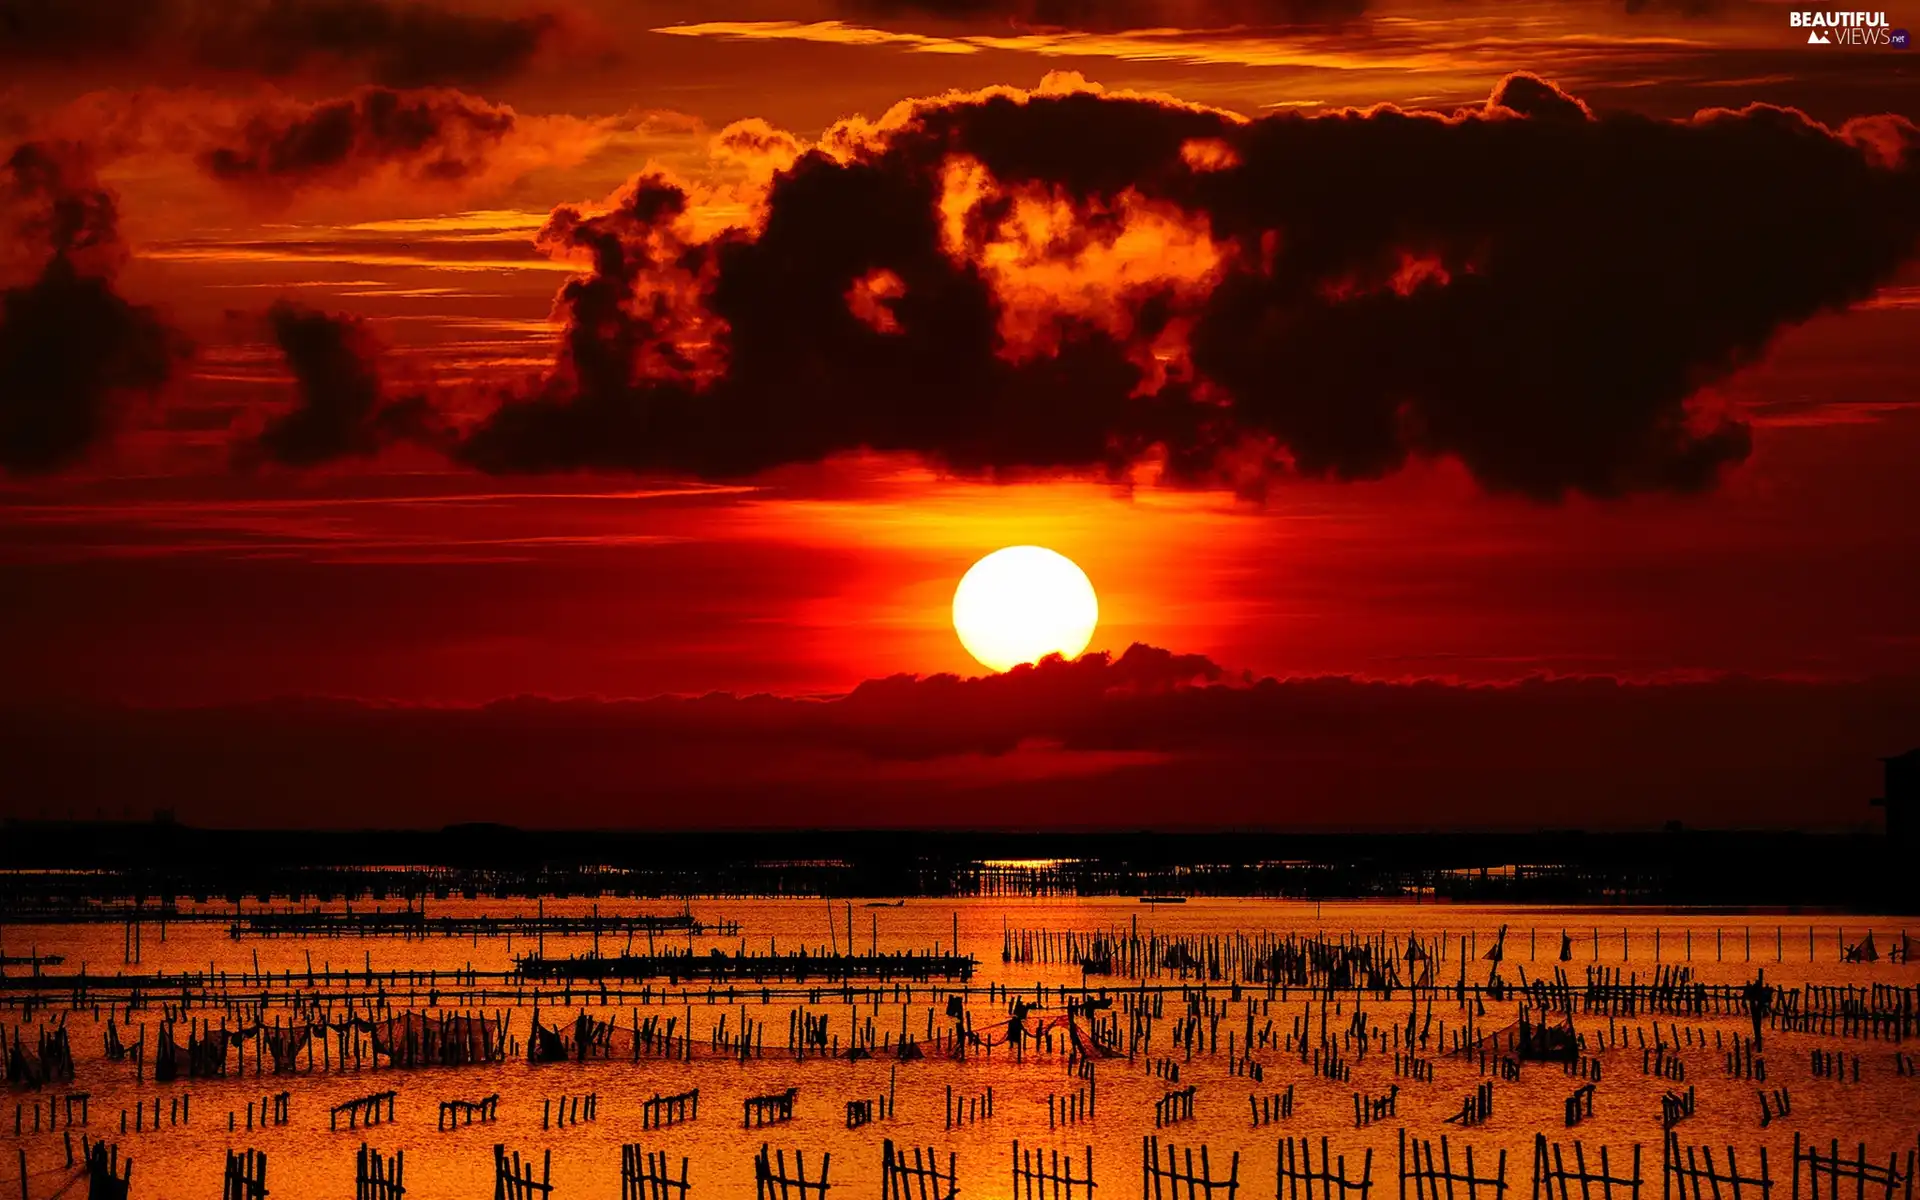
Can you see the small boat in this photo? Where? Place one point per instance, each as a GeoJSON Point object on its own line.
{"type": "Point", "coordinates": [886, 904]}
{"type": "Point", "coordinates": [1163, 899]}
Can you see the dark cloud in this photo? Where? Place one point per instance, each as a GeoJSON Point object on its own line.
{"type": "Point", "coordinates": [1110, 15]}
{"type": "Point", "coordinates": [1106, 16]}
{"type": "Point", "coordinates": [1536, 291]}
{"type": "Point", "coordinates": [434, 136]}
{"type": "Point", "coordinates": [1145, 740]}
{"type": "Point", "coordinates": [911, 716]}
{"type": "Point", "coordinates": [342, 408]}
{"type": "Point", "coordinates": [399, 44]}
{"type": "Point", "coordinates": [70, 345]}
{"type": "Point", "coordinates": [1532, 96]}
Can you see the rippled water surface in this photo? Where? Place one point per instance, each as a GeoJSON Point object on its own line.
{"type": "Point", "coordinates": [307, 1161]}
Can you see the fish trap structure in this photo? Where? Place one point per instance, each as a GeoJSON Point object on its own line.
{"type": "Point", "coordinates": [107, 1177]}
{"type": "Point", "coordinates": [1586, 1067]}
{"type": "Point", "coordinates": [1408, 1065]}
{"type": "Point", "coordinates": [744, 967]}
{"type": "Point", "coordinates": [1855, 1174]}
{"type": "Point", "coordinates": [1553, 1179]}
{"type": "Point", "coordinates": [1296, 1178]}
{"type": "Point", "coordinates": [1676, 1107]}
{"type": "Point", "coordinates": [648, 1175]}
{"type": "Point", "coordinates": [245, 1177]}
{"type": "Point", "coordinates": [1433, 1177]}
{"type": "Point", "coordinates": [1476, 1108]}
{"type": "Point", "coordinates": [1073, 1107]}
{"type": "Point", "coordinates": [1833, 1064]}
{"type": "Point", "coordinates": [48, 1060]}
{"type": "Point", "coordinates": [377, 1177]}
{"type": "Point", "coordinates": [1690, 1173]}
{"type": "Point", "coordinates": [1579, 1106]}
{"type": "Point", "coordinates": [514, 1180]}
{"type": "Point", "coordinates": [772, 1182]}
{"type": "Point", "coordinates": [774, 1108]}
{"type": "Point", "coordinates": [416, 923]}
{"type": "Point", "coordinates": [1369, 1109]}
{"type": "Point", "coordinates": [1663, 1062]}
{"type": "Point", "coordinates": [920, 1179]}
{"type": "Point", "coordinates": [363, 1110]}
{"type": "Point", "coordinates": [1277, 1106]}
{"type": "Point", "coordinates": [267, 1111]}
{"type": "Point", "coordinates": [1174, 1107]}
{"type": "Point", "coordinates": [58, 1106]}
{"type": "Point", "coordinates": [179, 1112]}
{"type": "Point", "coordinates": [457, 1113]}
{"type": "Point", "coordinates": [569, 1110]}
{"type": "Point", "coordinates": [865, 1110]}
{"type": "Point", "coordinates": [658, 1112]}
{"type": "Point", "coordinates": [1169, 1178]}
{"type": "Point", "coordinates": [1775, 1105]}
{"type": "Point", "coordinates": [1744, 1061]}
{"type": "Point", "coordinates": [1049, 1175]}
{"type": "Point", "coordinates": [965, 1110]}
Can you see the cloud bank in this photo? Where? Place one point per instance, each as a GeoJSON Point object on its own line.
{"type": "Point", "coordinates": [1149, 739]}
{"type": "Point", "coordinates": [407, 43]}
{"type": "Point", "coordinates": [1068, 278]}
{"type": "Point", "coordinates": [1011, 282]}
{"type": "Point", "coordinates": [71, 347]}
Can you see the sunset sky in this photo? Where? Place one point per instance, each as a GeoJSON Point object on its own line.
{"type": "Point", "coordinates": [368, 362]}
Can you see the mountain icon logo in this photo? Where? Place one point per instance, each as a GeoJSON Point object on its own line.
{"type": "Point", "coordinates": [1817, 38]}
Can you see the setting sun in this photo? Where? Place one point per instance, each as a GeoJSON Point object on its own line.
{"type": "Point", "coordinates": [1020, 604]}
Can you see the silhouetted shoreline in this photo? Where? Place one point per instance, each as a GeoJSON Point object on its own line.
{"type": "Point", "coordinates": [52, 864]}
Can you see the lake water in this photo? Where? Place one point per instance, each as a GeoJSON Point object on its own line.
{"type": "Point", "coordinates": [307, 1161]}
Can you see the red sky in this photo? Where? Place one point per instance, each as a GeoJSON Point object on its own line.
{"type": "Point", "coordinates": [1532, 391]}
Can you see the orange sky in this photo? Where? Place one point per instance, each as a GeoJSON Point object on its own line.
{"type": "Point", "coordinates": [159, 570]}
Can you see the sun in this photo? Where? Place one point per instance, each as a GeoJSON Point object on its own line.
{"type": "Point", "coordinates": [1020, 604]}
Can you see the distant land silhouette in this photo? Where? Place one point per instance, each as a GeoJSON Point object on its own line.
{"type": "Point", "coordinates": [60, 864]}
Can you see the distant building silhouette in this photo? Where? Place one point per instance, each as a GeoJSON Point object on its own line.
{"type": "Point", "coordinates": [1902, 800]}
